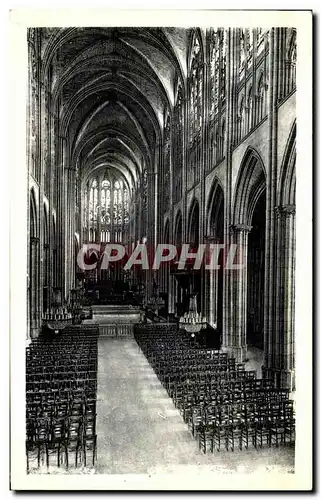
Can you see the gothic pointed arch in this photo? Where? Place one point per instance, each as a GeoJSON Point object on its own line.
{"type": "Point", "coordinates": [250, 184]}
{"type": "Point", "coordinates": [287, 182]}
{"type": "Point", "coordinates": [166, 231]}
{"type": "Point", "coordinates": [178, 229]}
{"type": "Point", "coordinates": [215, 211]}
{"type": "Point", "coordinates": [33, 231]}
{"type": "Point", "coordinates": [33, 264]}
{"type": "Point", "coordinates": [193, 223]}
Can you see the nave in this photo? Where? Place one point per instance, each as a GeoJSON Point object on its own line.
{"type": "Point", "coordinates": [147, 138]}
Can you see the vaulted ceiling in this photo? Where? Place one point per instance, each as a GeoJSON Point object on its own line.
{"type": "Point", "coordinates": [112, 87]}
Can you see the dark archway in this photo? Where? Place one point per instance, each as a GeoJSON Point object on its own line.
{"type": "Point", "coordinates": [45, 260]}
{"type": "Point", "coordinates": [193, 227]}
{"type": "Point", "coordinates": [76, 250]}
{"type": "Point", "coordinates": [249, 234]}
{"type": "Point", "coordinates": [215, 232]}
{"type": "Point", "coordinates": [166, 234]}
{"type": "Point", "coordinates": [165, 272]}
{"type": "Point", "coordinates": [54, 249]}
{"type": "Point", "coordinates": [166, 266]}
{"type": "Point", "coordinates": [193, 240]}
{"type": "Point", "coordinates": [256, 275]}
{"type": "Point", "coordinates": [178, 230]}
{"type": "Point", "coordinates": [33, 259]}
{"type": "Point", "coordinates": [179, 297]}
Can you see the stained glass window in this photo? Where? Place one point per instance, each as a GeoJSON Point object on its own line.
{"type": "Point", "coordinates": [178, 145]}
{"type": "Point", "coordinates": [196, 83]}
{"type": "Point", "coordinates": [167, 145]}
{"type": "Point", "coordinates": [113, 206]}
{"type": "Point", "coordinates": [218, 68]}
{"type": "Point", "coordinates": [126, 206]}
{"type": "Point", "coordinates": [291, 59]}
{"type": "Point", "coordinates": [93, 202]}
{"type": "Point", "coordinates": [105, 201]}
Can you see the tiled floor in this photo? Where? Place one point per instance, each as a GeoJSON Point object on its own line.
{"type": "Point", "coordinates": [141, 432]}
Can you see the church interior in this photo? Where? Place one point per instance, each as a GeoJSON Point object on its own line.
{"type": "Point", "coordinates": [160, 136]}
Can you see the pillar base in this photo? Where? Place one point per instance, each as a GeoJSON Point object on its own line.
{"type": "Point", "coordinates": [34, 332]}
{"type": "Point", "coordinates": [239, 353]}
{"type": "Point", "coordinates": [288, 379]}
{"type": "Point", "coordinates": [284, 379]}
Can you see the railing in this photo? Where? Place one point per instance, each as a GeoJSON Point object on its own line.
{"type": "Point", "coordinates": [116, 330]}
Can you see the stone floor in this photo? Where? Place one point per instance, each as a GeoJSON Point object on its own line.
{"type": "Point", "coordinates": [141, 432]}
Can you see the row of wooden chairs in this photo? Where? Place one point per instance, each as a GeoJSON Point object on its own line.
{"type": "Point", "coordinates": [61, 385]}
{"type": "Point", "coordinates": [222, 403]}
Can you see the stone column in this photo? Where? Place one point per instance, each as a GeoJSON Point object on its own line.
{"type": "Point", "coordinates": [281, 364]}
{"type": "Point", "coordinates": [69, 229]}
{"type": "Point", "coordinates": [61, 213]}
{"type": "Point", "coordinates": [112, 238]}
{"type": "Point", "coordinates": [232, 69]}
{"type": "Point", "coordinates": [184, 173]}
{"type": "Point", "coordinates": [235, 338]}
{"type": "Point", "coordinates": [153, 225]}
{"type": "Point", "coordinates": [288, 371]}
{"type": "Point", "coordinates": [271, 234]}
{"type": "Point", "coordinates": [123, 241]}
{"type": "Point", "coordinates": [33, 284]}
{"type": "Point", "coordinates": [211, 295]}
{"type": "Point", "coordinates": [88, 217]}
{"type": "Point", "coordinates": [46, 276]}
{"type": "Point", "coordinates": [171, 295]}
{"type": "Point", "coordinates": [51, 173]}
{"type": "Point", "coordinates": [204, 146]}
{"type": "Point", "coordinates": [99, 220]}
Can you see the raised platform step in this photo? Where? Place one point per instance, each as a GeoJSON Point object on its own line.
{"type": "Point", "coordinates": [115, 309]}
{"type": "Point", "coordinates": [110, 314]}
{"type": "Point", "coordinates": [116, 330]}
{"type": "Point", "coordinates": [108, 329]}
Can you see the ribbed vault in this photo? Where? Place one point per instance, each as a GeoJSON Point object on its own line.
{"type": "Point", "coordinates": [111, 88]}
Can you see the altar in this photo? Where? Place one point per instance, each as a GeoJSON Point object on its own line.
{"type": "Point", "coordinates": [115, 320]}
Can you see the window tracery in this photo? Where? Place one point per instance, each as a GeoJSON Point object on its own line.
{"type": "Point", "coordinates": [196, 93]}
{"type": "Point", "coordinates": [178, 145]}
{"type": "Point", "coordinates": [112, 208]}
{"type": "Point", "coordinates": [218, 68]}
{"type": "Point", "coordinates": [167, 159]}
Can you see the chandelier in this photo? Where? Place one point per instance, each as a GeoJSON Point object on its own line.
{"type": "Point", "coordinates": [192, 321]}
{"type": "Point", "coordinates": [57, 317]}
{"type": "Point", "coordinates": [156, 302]}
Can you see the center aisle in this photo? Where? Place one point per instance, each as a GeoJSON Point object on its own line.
{"type": "Point", "coordinates": [139, 430]}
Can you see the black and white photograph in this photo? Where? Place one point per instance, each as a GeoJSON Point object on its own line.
{"type": "Point", "coordinates": [163, 329]}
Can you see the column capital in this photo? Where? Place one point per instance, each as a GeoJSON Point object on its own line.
{"type": "Point", "coordinates": [285, 210]}
{"type": "Point", "coordinates": [238, 228]}
{"type": "Point", "coordinates": [288, 209]}
{"type": "Point", "coordinates": [34, 241]}
{"type": "Point", "coordinates": [211, 239]}
{"type": "Point", "coordinates": [70, 168]}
